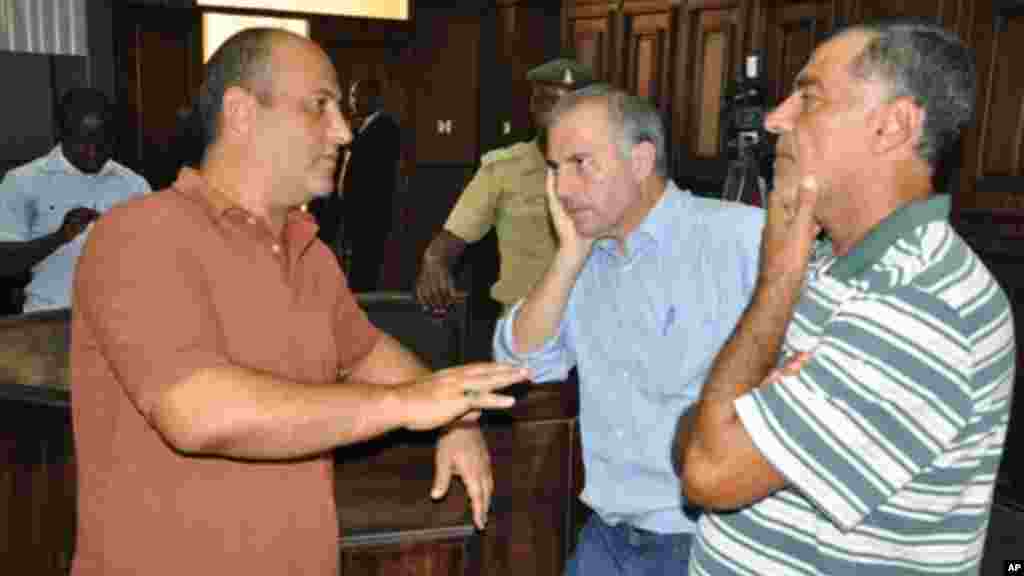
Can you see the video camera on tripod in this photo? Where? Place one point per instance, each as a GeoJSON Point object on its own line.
{"type": "Point", "coordinates": [745, 140]}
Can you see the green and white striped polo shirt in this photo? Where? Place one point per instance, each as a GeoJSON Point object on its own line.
{"type": "Point", "coordinates": [890, 436]}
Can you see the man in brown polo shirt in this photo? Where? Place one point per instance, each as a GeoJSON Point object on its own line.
{"type": "Point", "coordinates": [218, 355]}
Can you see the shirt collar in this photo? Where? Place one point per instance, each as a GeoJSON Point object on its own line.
{"type": "Point", "coordinates": [887, 232]}
{"type": "Point", "coordinates": [655, 227]}
{"type": "Point", "coordinates": [56, 161]}
{"type": "Point", "coordinates": [191, 183]}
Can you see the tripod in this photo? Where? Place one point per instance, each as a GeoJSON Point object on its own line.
{"type": "Point", "coordinates": [743, 181]}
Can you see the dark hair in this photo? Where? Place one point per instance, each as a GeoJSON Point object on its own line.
{"type": "Point", "coordinates": [633, 118]}
{"type": "Point", "coordinates": [242, 60]}
{"type": "Point", "coordinates": [78, 103]}
{"type": "Point", "coordinates": [932, 66]}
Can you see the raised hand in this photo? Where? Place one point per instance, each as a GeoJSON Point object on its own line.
{"type": "Point", "coordinates": [790, 230]}
{"type": "Point", "coordinates": [571, 243]}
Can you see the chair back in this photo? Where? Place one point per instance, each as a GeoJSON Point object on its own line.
{"type": "Point", "coordinates": [438, 341]}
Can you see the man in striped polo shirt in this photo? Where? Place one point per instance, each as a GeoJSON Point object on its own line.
{"type": "Point", "coordinates": [854, 421]}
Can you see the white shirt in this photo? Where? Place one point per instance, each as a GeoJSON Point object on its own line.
{"type": "Point", "coordinates": [35, 197]}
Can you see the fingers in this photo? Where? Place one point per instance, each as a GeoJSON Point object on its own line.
{"type": "Point", "coordinates": [442, 480]}
{"type": "Point", "coordinates": [482, 378]}
{"type": "Point", "coordinates": [554, 205]}
{"type": "Point", "coordinates": [462, 451]}
{"type": "Point", "coordinates": [479, 500]}
{"type": "Point", "coordinates": [790, 367]}
{"type": "Point", "coordinates": [795, 363]}
{"type": "Point", "coordinates": [435, 290]}
{"type": "Point", "coordinates": [471, 416]}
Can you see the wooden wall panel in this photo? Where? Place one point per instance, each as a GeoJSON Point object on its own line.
{"type": "Point", "coordinates": [591, 38]}
{"type": "Point", "coordinates": [447, 94]}
{"type": "Point", "coordinates": [37, 489]}
{"type": "Point", "coordinates": [998, 165]}
{"type": "Point", "coordinates": [792, 30]}
{"type": "Point", "coordinates": [427, 557]}
{"type": "Point", "coordinates": [160, 68]}
{"type": "Point", "coordinates": [709, 47]}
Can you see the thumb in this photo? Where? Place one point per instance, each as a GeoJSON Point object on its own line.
{"type": "Point", "coordinates": [442, 480]}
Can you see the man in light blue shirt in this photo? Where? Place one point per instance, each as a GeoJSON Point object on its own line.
{"type": "Point", "coordinates": [47, 204]}
{"type": "Point", "coordinates": [647, 283]}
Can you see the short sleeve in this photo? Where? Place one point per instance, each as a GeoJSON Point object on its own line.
{"type": "Point", "coordinates": [884, 394]}
{"type": "Point", "coordinates": [142, 299]}
{"type": "Point", "coordinates": [475, 212]}
{"type": "Point", "coordinates": [15, 212]}
{"type": "Point", "coordinates": [354, 333]}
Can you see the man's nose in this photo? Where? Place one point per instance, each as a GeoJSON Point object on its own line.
{"type": "Point", "coordinates": [341, 131]}
{"type": "Point", "coordinates": [779, 119]}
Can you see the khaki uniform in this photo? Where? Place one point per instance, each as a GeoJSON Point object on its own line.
{"type": "Point", "coordinates": [507, 192]}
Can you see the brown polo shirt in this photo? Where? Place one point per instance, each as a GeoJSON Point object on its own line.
{"type": "Point", "coordinates": [168, 284]}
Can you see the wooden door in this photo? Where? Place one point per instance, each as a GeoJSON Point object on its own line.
{"type": "Point", "coordinates": [709, 51]}
{"type": "Point", "coordinates": [590, 36]}
{"type": "Point", "coordinates": [527, 35]}
{"type": "Point", "coordinates": [993, 175]}
{"type": "Point", "coordinates": [159, 59]}
{"type": "Point", "coordinates": [447, 87]}
{"type": "Point", "coordinates": [950, 13]}
{"type": "Point", "coordinates": [792, 30]}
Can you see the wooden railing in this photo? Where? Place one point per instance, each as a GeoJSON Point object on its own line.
{"type": "Point", "coordinates": [388, 522]}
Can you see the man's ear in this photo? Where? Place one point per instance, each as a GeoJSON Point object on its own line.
{"type": "Point", "coordinates": [236, 110]}
{"type": "Point", "coordinates": [643, 160]}
{"type": "Point", "coordinates": [899, 124]}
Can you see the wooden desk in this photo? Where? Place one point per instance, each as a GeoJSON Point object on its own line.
{"type": "Point", "coordinates": [388, 522]}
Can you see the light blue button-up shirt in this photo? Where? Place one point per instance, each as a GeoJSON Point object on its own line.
{"type": "Point", "coordinates": [33, 201]}
{"type": "Point", "coordinates": [642, 329]}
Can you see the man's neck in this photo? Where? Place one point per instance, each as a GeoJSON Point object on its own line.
{"type": "Point", "coordinates": [246, 189]}
{"type": "Point", "coordinates": [873, 205]}
{"type": "Point", "coordinates": [651, 191]}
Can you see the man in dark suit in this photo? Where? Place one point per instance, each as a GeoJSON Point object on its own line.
{"type": "Point", "coordinates": [368, 183]}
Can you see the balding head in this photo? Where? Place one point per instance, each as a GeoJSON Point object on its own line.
{"type": "Point", "coordinates": [244, 60]}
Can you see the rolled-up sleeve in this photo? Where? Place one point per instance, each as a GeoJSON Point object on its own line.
{"type": "Point", "coordinates": [551, 362]}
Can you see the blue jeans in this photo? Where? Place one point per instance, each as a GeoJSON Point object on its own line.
{"type": "Point", "coordinates": [621, 550]}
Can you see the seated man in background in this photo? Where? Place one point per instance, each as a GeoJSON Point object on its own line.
{"type": "Point", "coordinates": [47, 204]}
{"type": "Point", "coordinates": [647, 283]}
{"type": "Point", "coordinates": [507, 193]}
{"type": "Point", "coordinates": [874, 449]}
{"type": "Point", "coordinates": [218, 357]}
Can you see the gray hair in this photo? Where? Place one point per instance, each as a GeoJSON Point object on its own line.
{"type": "Point", "coordinates": [632, 118]}
{"type": "Point", "coordinates": [928, 64]}
{"type": "Point", "coordinates": [242, 60]}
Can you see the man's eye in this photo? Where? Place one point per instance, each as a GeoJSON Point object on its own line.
{"type": "Point", "coordinates": [587, 165]}
{"type": "Point", "coordinates": [320, 104]}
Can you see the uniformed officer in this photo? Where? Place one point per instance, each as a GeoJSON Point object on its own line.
{"type": "Point", "coordinates": [507, 193]}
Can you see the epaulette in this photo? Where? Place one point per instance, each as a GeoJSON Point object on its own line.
{"type": "Point", "coordinates": [512, 152]}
